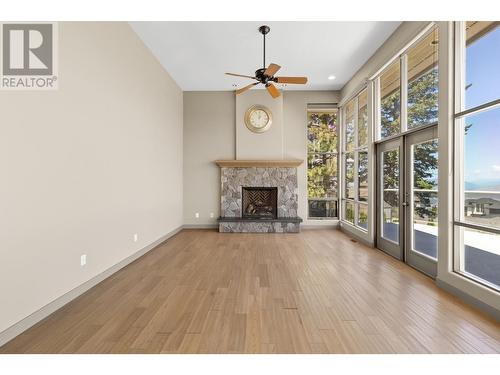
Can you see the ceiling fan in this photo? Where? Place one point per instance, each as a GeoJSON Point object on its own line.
{"type": "Point", "coordinates": [266, 75]}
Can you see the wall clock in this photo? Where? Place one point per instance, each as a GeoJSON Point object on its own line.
{"type": "Point", "coordinates": [258, 119]}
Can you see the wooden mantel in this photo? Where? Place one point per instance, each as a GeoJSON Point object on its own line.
{"type": "Point", "coordinates": [286, 163]}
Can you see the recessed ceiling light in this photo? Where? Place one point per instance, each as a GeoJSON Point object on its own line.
{"type": "Point", "coordinates": [331, 78]}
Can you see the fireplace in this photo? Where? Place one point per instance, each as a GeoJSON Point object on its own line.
{"type": "Point", "coordinates": [259, 202]}
{"type": "Point", "coordinates": [259, 196]}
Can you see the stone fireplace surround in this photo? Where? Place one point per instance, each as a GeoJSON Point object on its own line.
{"type": "Point", "coordinates": [237, 174]}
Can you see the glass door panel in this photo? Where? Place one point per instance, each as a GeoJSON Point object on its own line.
{"type": "Point", "coordinates": [421, 200]}
{"type": "Point", "coordinates": [390, 217]}
{"type": "Point", "coordinates": [389, 221]}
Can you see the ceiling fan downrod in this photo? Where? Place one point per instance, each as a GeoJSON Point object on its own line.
{"type": "Point", "coordinates": [264, 29]}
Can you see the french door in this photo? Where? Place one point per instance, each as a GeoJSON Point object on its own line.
{"type": "Point", "coordinates": [407, 199]}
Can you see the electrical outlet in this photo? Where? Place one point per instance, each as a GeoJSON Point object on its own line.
{"type": "Point", "coordinates": [211, 215]}
{"type": "Point", "coordinates": [197, 215]}
{"type": "Point", "coordinates": [83, 260]}
{"type": "Point", "coordinates": [136, 237]}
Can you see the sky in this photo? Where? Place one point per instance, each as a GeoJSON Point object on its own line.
{"type": "Point", "coordinates": [482, 143]}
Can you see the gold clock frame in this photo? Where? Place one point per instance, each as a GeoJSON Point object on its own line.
{"type": "Point", "coordinates": [253, 128]}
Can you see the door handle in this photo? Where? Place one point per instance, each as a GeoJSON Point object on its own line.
{"type": "Point", "coordinates": [405, 202]}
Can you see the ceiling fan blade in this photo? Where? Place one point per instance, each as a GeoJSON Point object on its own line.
{"type": "Point", "coordinates": [272, 69]}
{"type": "Point", "coordinates": [298, 80]}
{"type": "Point", "coordinates": [273, 90]}
{"type": "Point", "coordinates": [239, 75]}
{"type": "Point", "coordinates": [246, 88]}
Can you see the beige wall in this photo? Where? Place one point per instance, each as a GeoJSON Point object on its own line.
{"type": "Point", "coordinates": [209, 134]}
{"type": "Point", "coordinates": [87, 166]}
{"type": "Point", "coordinates": [250, 145]}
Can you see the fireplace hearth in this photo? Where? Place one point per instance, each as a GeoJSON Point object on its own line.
{"type": "Point", "coordinates": [259, 202]}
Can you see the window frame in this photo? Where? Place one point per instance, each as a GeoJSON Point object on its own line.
{"type": "Point", "coordinates": [355, 151]}
{"type": "Point", "coordinates": [311, 108]}
{"type": "Point", "coordinates": [458, 122]}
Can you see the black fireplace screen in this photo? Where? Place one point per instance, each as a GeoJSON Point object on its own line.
{"type": "Point", "coordinates": [260, 202]}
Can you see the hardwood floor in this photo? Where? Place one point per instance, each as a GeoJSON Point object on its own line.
{"type": "Point", "coordinates": [313, 292]}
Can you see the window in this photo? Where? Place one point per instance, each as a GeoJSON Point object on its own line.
{"type": "Point", "coordinates": [408, 88]}
{"type": "Point", "coordinates": [356, 161]}
{"type": "Point", "coordinates": [477, 157]}
{"type": "Point", "coordinates": [482, 81]}
{"type": "Point", "coordinates": [390, 101]}
{"type": "Point", "coordinates": [423, 81]}
{"type": "Point", "coordinates": [349, 126]}
{"type": "Point", "coordinates": [363, 119]}
{"type": "Point", "coordinates": [322, 156]}
{"type": "Point", "coordinates": [349, 175]}
{"type": "Point", "coordinates": [349, 212]}
{"type": "Point", "coordinates": [363, 176]}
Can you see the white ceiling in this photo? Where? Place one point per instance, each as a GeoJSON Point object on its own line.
{"type": "Point", "coordinates": [196, 54]}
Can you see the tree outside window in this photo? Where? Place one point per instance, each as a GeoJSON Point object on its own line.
{"type": "Point", "coordinates": [322, 177]}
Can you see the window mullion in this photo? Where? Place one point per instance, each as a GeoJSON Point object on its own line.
{"type": "Point", "coordinates": [458, 133]}
{"type": "Point", "coordinates": [356, 112]}
{"type": "Point", "coordinates": [459, 66]}
{"type": "Point", "coordinates": [477, 227]}
{"type": "Point", "coordinates": [342, 180]}
{"type": "Point", "coordinates": [404, 92]}
{"type": "Point", "coordinates": [480, 108]}
{"type": "Point", "coordinates": [376, 110]}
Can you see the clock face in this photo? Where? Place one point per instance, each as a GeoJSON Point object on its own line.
{"type": "Point", "coordinates": [258, 119]}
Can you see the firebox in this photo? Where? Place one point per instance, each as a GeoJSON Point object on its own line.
{"type": "Point", "coordinates": [260, 202]}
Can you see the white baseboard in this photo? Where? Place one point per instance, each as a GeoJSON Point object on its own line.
{"type": "Point", "coordinates": [48, 309]}
{"type": "Point", "coordinates": [319, 226]}
{"type": "Point", "coordinates": [200, 226]}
